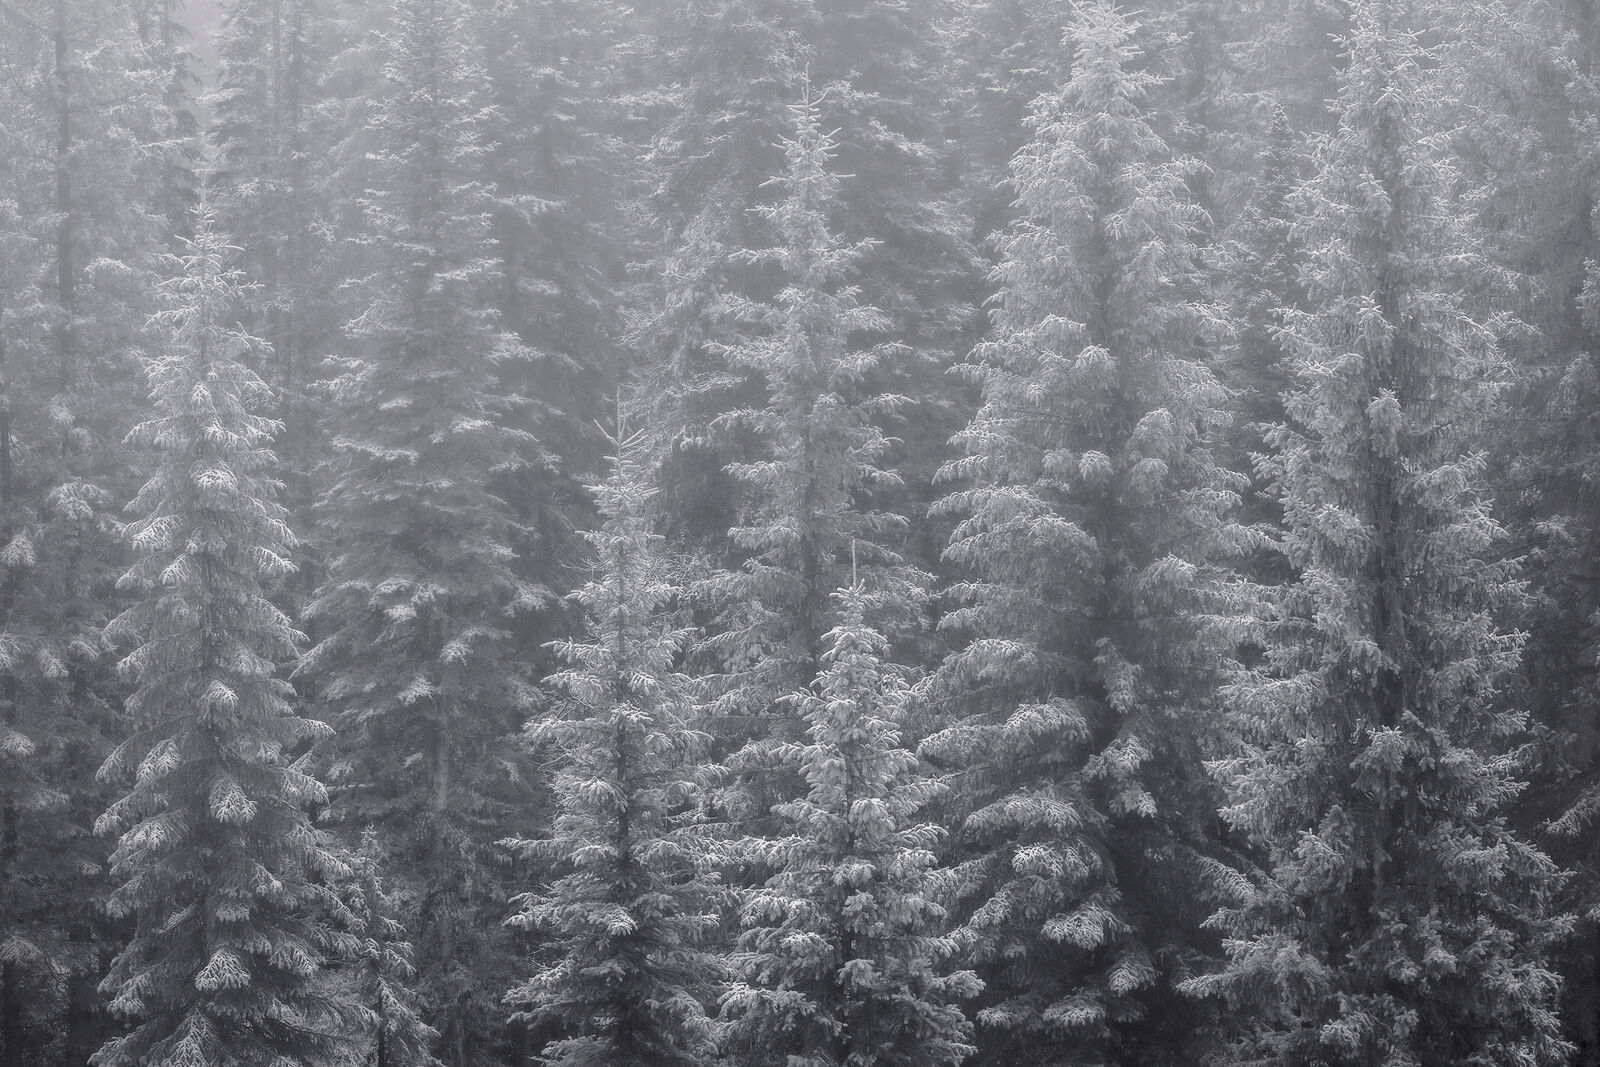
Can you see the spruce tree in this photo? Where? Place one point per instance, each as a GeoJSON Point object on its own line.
{"type": "Point", "coordinates": [1258, 257]}
{"type": "Point", "coordinates": [623, 980]}
{"type": "Point", "coordinates": [1522, 109]}
{"type": "Point", "coordinates": [560, 176]}
{"type": "Point", "coordinates": [30, 805]}
{"type": "Point", "coordinates": [842, 959]}
{"type": "Point", "coordinates": [273, 191]}
{"type": "Point", "coordinates": [84, 112]}
{"type": "Point", "coordinates": [1010, 52]}
{"type": "Point", "coordinates": [733, 66]}
{"type": "Point", "coordinates": [229, 885]}
{"type": "Point", "coordinates": [416, 663]}
{"type": "Point", "coordinates": [805, 510]}
{"type": "Point", "coordinates": [1402, 920]}
{"type": "Point", "coordinates": [1091, 598]}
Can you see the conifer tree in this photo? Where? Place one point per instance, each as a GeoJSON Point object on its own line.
{"type": "Point", "coordinates": [805, 513]}
{"type": "Point", "coordinates": [415, 663]}
{"type": "Point", "coordinates": [1522, 109]}
{"type": "Point", "coordinates": [623, 980]}
{"type": "Point", "coordinates": [272, 192]}
{"type": "Point", "coordinates": [83, 109]}
{"type": "Point", "coordinates": [395, 1036]}
{"type": "Point", "coordinates": [229, 886]}
{"type": "Point", "coordinates": [1258, 261]}
{"type": "Point", "coordinates": [734, 66]}
{"type": "Point", "coordinates": [561, 177]}
{"type": "Point", "coordinates": [842, 955]}
{"type": "Point", "coordinates": [1089, 534]}
{"type": "Point", "coordinates": [1401, 920]}
{"type": "Point", "coordinates": [28, 800]}
{"type": "Point", "coordinates": [1010, 52]}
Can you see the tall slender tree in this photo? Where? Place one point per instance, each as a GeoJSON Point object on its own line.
{"type": "Point", "coordinates": [1402, 919]}
{"type": "Point", "coordinates": [1090, 539]}
{"type": "Point", "coordinates": [416, 663]}
{"type": "Point", "coordinates": [734, 66]}
{"type": "Point", "coordinates": [273, 191]}
{"type": "Point", "coordinates": [84, 119]}
{"type": "Point", "coordinates": [806, 510]}
{"type": "Point", "coordinates": [230, 887]}
{"type": "Point", "coordinates": [560, 175]}
{"type": "Point", "coordinates": [1518, 75]}
{"type": "Point", "coordinates": [625, 979]}
{"type": "Point", "coordinates": [395, 1035]}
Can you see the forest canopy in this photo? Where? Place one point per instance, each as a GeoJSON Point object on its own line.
{"type": "Point", "coordinates": [799, 533]}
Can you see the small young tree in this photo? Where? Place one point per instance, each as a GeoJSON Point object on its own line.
{"type": "Point", "coordinates": [230, 888]}
{"type": "Point", "coordinates": [395, 1036]}
{"type": "Point", "coordinates": [1403, 920]}
{"type": "Point", "coordinates": [841, 957]}
{"type": "Point", "coordinates": [624, 980]}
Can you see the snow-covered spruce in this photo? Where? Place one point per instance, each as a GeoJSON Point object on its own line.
{"type": "Point", "coordinates": [623, 976]}
{"type": "Point", "coordinates": [415, 663]}
{"type": "Point", "coordinates": [1093, 516]}
{"type": "Point", "coordinates": [230, 888]}
{"type": "Point", "coordinates": [1401, 919]}
{"type": "Point", "coordinates": [842, 960]}
{"type": "Point", "coordinates": [802, 524]}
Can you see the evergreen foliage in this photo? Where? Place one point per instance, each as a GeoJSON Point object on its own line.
{"type": "Point", "coordinates": [84, 114]}
{"type": "Point", "coordinates": [1525, 111]}
{"type": "Point", "coordinates": [1402, 919]}
{"type": "Point", "coordinates": [1228, 422]}
{"type": "Point", "coordinates": [271, 192]}
{"type": "Point", "coordinates": [1011, 52]}
{"type": "Point", "coordinates": [841, 955]}
{"type": "Point", "coordinates": [817, 448]}
{"type": "Point", "coordinates": [416, 663]}
{"type": "Point", "coordinates": [230, 887]}
{"type": "Point", "coordinates": [557, 163]}
{"type": "Point", "coordinates": [396, 1035]}
{"type": "Point", "coordinates": [1092, 598]}
{"type": "Point", "coordinates": [736, 65]}
{"type": "Point", "coordinates": [624, 978]}
{"type": "Point", "coordinates": [727, 69]}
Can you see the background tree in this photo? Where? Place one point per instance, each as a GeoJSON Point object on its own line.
{"type": "Point", "coordinates": [727, 70]}
{"type": "Point", "coordinates": [561, 176]}
{"type": "Point", "coordinates": [83, 152]}
{"type": "Point", "coordinates": [396, 1035]}
{"type": "Point", "coordinates": [274, 191]}
{"type": "Point", "coordinates": [416, 663]}
{"type": "Point", "coordinates": [805, 494]}
{"type": "Point", "coordinates": [734, 67]}
{"type": "Point", "coordinates": [1521, 98]}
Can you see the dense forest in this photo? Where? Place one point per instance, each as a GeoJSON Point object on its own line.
{"type": "Point", "coordinates": [799, 533]}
